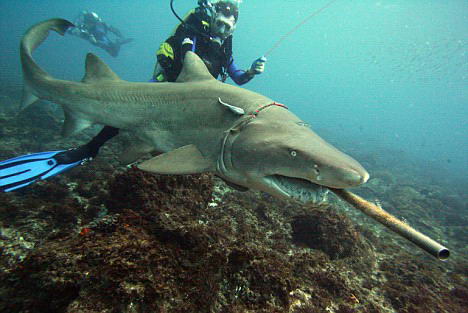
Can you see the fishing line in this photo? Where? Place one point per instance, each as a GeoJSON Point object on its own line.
{"type": "Point", "coordinates": [299, 25]}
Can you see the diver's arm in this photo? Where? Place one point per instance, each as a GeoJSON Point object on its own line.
{"type": "Point", "coordinates": [78, 29]}
{"type": "Point", "coordinates": [114, 30]}
{"type": "Point", "coordinates": [239, 76]}
{"type": "Point", "coordinates": [79, 20]}
{"type": "Point", "coordinates": [188, 44]}
{"type": "Point", "coordinates": [172, 51]}
{"type": "Point", "coordinates": [166, 55]}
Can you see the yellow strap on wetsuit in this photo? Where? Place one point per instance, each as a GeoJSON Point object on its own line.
{"type": "Point", "coordinates": [166, 50]}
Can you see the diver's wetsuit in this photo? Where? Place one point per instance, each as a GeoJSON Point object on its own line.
{"type": "Point", "coordinates": [91, 28]}
{"type": "Point", "coordinates": [218, 59]}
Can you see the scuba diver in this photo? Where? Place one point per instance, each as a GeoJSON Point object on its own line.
{"type": "Point", "coordinates": [89, 26]}
{"type": "Point", "coordinates": [207, 31]}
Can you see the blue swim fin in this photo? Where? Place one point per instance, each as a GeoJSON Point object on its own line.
{"type": "Point", "coordinates": [24, 170]}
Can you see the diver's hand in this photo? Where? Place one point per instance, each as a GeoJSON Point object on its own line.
{"type": "Point", "coordinates": [187, 45]}
{"type": "Point", "coordinates": [75, 31]}
{"type": "Point", "coordinates": [187, 41]}
{"type": "Point", "coordinates": [92, 39]}
{"type": "Point", "coordinates": [258, 66]}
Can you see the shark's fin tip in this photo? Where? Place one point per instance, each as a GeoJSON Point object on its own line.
{"type": "Point", "coordinates": [27, 98]}
{"type": "Point", "coordinates": [194, 69]}
{"type": "Point", "coordinates": [97, 70]}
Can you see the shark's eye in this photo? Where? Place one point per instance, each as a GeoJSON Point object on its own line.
{"type": "Point", "coordinates": [293, 153]}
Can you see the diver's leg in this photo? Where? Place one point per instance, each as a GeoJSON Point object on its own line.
{"type": "Point", "coordinates": [24, 170]}
{"type": "Point", "coordinates": [89, 150]}
{"type": "Point", "coordinates": [114, 50]}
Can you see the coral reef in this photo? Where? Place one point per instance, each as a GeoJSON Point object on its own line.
{"type": "Point", "coordinates": [109, 239]}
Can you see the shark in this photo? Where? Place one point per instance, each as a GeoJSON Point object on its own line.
{"type": "Point", "coordinates": [194, 125]}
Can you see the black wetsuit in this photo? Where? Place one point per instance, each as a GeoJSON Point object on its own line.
{"type": "Point", "coordinates": [217, 58]}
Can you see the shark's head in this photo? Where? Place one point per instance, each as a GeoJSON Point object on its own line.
{"type": "Point", "coordinates": [279, 154]}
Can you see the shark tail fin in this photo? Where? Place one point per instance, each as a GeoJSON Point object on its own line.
{"type": "Point", "coordinates": [33, 37]}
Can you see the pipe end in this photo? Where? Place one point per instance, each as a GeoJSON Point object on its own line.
{"type": "Point", "coordinates": [443, 254]}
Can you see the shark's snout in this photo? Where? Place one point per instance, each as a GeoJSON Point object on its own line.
{"type": "Point", "coordinates": [364, 177]}
{"type": "Point", "coordinates": [347, 173]}
{"type": "Point", "coordinates": [355, 178]}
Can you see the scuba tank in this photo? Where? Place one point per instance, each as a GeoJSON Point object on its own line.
{"type": "Point", "coordinates": [207, 10]}
{"type": "Point", "coordinates": [206, 7]}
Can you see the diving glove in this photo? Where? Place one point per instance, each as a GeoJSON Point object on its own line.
{"type": "Point", "coordinates": [258, 66]}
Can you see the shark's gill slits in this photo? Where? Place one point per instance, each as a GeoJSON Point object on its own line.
{"type": "Point", "coordinates": [299, 189]}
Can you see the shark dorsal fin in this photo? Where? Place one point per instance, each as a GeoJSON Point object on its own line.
{"type": "Point", "coordinates": [97, 70]}
{"type": "Point", "coordinates": [194, 69]}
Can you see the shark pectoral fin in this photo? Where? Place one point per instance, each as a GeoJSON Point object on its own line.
{"type": "Point", "coordinates": [97, 70]}
{"type": "Point", "coordinates": [193, 69]}
{"type": "Point", "coordinates": [135, 152]}
{"type": "Point", "coordinates": [73, 125]}
{"type": "Point", "coordinates": [184, 160]}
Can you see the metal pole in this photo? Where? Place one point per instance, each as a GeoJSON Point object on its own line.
{"type": "Point", "coordinates": [391, 222]}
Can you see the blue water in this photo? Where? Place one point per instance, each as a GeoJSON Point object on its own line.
{"type": "Point", "coordinates": [383, 77]}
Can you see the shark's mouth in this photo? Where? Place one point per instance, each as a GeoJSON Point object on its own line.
{"type": "Point", "coordinates": [298, 189]}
